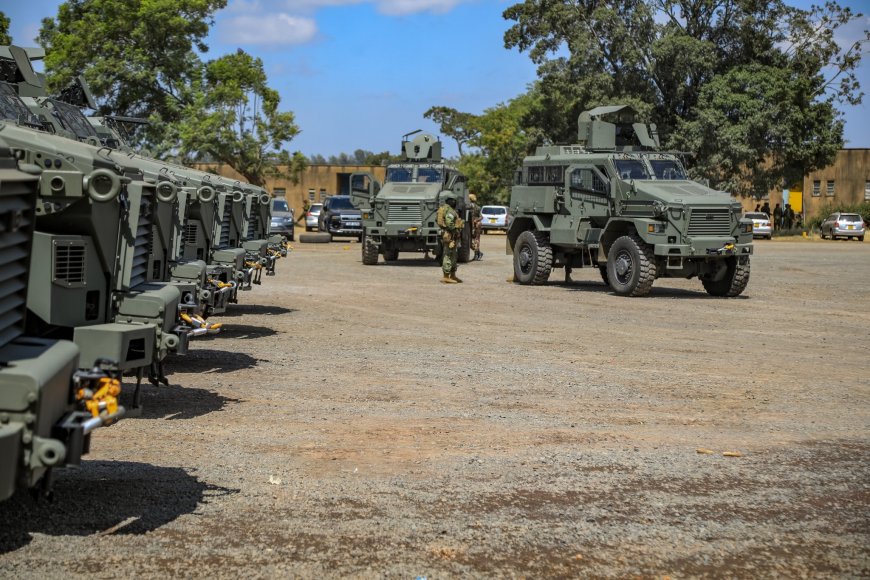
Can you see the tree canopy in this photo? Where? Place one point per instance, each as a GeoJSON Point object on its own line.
{"type": "Point", "coordinates": [5, 39]}
{"type": "Point", "coordinates": [141, 58]}
{"type": "Point", "coordinates": [750, 87]}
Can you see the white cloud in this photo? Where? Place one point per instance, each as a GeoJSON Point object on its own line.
{"type": "Point", "coordinates": [390, 7]}
{"type": "Point", "coordinates": [268, 29]}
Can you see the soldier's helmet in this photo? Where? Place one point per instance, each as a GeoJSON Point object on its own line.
{"type": "Point", "coordinates": [449, 198]}
{"type": "Point", "coordinates": [472, 197]}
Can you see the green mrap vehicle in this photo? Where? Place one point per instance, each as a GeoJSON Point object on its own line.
{"type": "Point", "coordinates": [616, 202]}
{"type": "Point", "coordinates": [401, 215]}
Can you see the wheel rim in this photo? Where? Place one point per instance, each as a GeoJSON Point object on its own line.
{"type": "Point", "coordinates": [526, 260]}
{"type": "Point", "coordinates": [623, 267]}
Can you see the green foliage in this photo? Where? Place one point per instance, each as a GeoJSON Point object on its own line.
{"type": "Point", "coordinates": [454, 124]}
{"type": "Point", "coordinates": [5, 38]}
{"type": "Point", "coordinates": [750, 87]}
{"type": "Point", "coordinates": [137, 55]}
{"type": "Point", "coordinates": [358, 157]}
{"type": "Point", "coordinates": [233, 117]}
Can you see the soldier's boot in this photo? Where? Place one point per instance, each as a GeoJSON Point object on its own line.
{"type": "Point", "coordinates": [447, 279]}
{"type": "Point", "coordinates": [454, 278]}
{"type": "Point", "coordinates": [568, 279]}
{"type": "Point", "coordinates": [478, 255]}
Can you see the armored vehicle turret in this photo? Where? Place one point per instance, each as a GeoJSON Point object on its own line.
{"type": "Point", "coordinates": [401, 215]}
{"type": "Point", "coordinates": [616, 202]}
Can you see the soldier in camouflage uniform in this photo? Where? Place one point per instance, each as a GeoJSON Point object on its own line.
{"type": "Point", "coordinates": [451, 230]}
{"type": "Point", "coordinates": [476, 227]}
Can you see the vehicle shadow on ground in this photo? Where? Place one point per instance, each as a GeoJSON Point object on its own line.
{"type": "Point", "coordinates": [265, 309]}
{"type": "Point", "coordinates": [237, 332]}
{"type": "Point", "coordinates": [102, 498]}
{"type": "Point", "coordinates": [204, 360]}
{"type": "Point", "coordinates": [416, 262]}
{"type": "Point", "coordinates": [655, 292]}
{"type": "Point", "coordinates": [176, 402]}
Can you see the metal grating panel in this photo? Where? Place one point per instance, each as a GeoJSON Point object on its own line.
{"type": "Point", "coordinates": [225, 224]}
{"type": "Point", "coordinates": [404, 212]}
{"type": "Point", "coordinates": [16, 226]}
{"type": "Point", "coordinates": [190, 231]}
{"type": "Point", "coordinates": [710, 222]}
{"type": "Point", "coordinates": [144, 239]}
{"type": "Point", "coordinates": [253, 225]}
{"type": "Point", "coordinates": [69, 263]}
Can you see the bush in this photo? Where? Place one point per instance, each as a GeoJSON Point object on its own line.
{"type": "Point", "coordinates": [862, 208]}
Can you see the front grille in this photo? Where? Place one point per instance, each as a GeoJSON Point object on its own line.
{"type": "Point", "coordinates": [253, 225]}
{"type": "Point", "coordinates": [16, 227]}
{"type": "Point", "coordinates": [190, 231]}
{"type": "Point", "coordinates": [69, 263]}
{"type": "Point", "coordinates": [226, 219]}
{"type": "Point", "coordinates": [404, 212]}
{"type": "Point", "coordinates": [710, 222]}
{"type": "Point", "coordinates": [144, 240]}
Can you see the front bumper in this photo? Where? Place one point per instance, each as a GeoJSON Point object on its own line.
{"type": "Point", "coordinates": [407, 235]}
{"type": "Point", "coordinates": [702, 248]}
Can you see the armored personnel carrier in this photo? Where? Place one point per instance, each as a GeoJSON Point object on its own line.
{"type": "Point", "coordinates": [400, 216]}
{"type": "Point", "coordinates": [48, 409]}
{"type": "Point", "coordinates": [616, 202]}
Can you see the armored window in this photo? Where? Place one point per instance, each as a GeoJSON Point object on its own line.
{"type": "Point", "coordinates": [549, 175]}
{"type": "Point", "coordinates": [830, 191]}
{"type": "Point", "coordinates": [588, 180]}
{"type": "Point", "coordinates": [667, 169]}
{"type": "Point", "coordinates": [536, 175]}
{"type": "Point", "coordinates": [555, 174]}
{"type": "Point", "coordinates": [399, 174]}
{"type": "Point", "coordinates": [279, 192]}
{"type": "Point", "coordinates": [817, 188]}
{"type": "Point", "coordinates": [631, 169]}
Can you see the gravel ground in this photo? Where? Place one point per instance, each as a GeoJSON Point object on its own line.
{"type": "Point", "coordinates": [365, 422]}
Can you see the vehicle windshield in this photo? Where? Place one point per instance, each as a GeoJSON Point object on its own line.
{"type": "Point", "coordinates": [850, 217]}
{"type": "Point", "coordinates": [399, 174]}
{"type": "Point", "coordinates": [631, 169]}
{"type": "Point", "coordinates": [428, 175]}
{"type": "Point", "coordinates": [493, 210]}
{"type": "Point", "coordinates": [73, 120]}
{"type": "Point", "coordinates": [757, 216]}
{"type": "Point", "coordinates": [667, 169]}
{"type": "Point", "coordinates": [315, 207]}
{"type": "Point", "coordinates": [280, 205]}
{"type": "Point", "coordinates": [340, 203]}
{"type": "Point", "coordinates": [12, 108]}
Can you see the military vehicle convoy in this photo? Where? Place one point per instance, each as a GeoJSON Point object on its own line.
{"type": "Point", "coordinates": [400, 216]}
{"type": "Point", "coordinates": [95, 253]}
{"type": "Point", "coordinates": [616, 202]}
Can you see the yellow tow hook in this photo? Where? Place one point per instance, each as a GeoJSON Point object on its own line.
{"type": "Point", "coordinates": [219, 284]}
{"type": "Point", "coordinates": [199, 325]}
{"type": "Point", "coordinates": [254, 265]}
{"type": "Point", "coordinates": [103, 399]}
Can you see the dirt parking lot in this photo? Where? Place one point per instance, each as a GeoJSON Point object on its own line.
{"type": "Point", "coordinates": [370, 422]}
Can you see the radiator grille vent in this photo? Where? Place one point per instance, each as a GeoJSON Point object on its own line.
{"type": "Point", "coordinates": [16, 227]}
{"type": "Point", "coordinates": [404, 212]}
{"type": "Point", "coordinates": [144, 236]}
{"type": "Point", "coordinates": [190, 231]}
{"type": "Point", "coordinates": [69, 263]}
{"type": "Point", "coordinates": [710, 222]}
{"type": "Point", "coordinates": [225, 224]}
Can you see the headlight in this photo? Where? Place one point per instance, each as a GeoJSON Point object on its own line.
{"type": "Point", "coordinates": [655, 228]}
{"type": "Point", "coordinates": [746, 228]}
{"type": "Point", "coordinates": [366, 216]}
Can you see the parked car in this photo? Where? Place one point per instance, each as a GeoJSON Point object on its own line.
{"type": "Point", "coordinates": [495, 217]}
{"type": "Point", "coordinates": [282, 218]}
{"type": "Point", "coordinates": [339, 217]}
{"type": "Point", "coordinates": [761, 226]}
{"type": "Point", "coordinates": [312, 216]}
{"type": "Point", "coordinates": [843, 225]}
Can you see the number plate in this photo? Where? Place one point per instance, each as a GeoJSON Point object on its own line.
{"type": "Point", "coordinates": [492, 220]}
{"type": "Point", "coordinates": [352, 224]}
{"type": "Point", "coordinates": [851, 227]}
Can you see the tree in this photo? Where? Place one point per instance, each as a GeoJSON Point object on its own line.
{"type": "Point", "coordinates": [137, 56]}
{"type": "Point", "coordinates": [234, 118]}
{"type": "Point", "coordinates": [5, 39]}
{"type": "Point", "coordinates": [679, 59]}
{"type": "Point", "coordinates": [453, 123]}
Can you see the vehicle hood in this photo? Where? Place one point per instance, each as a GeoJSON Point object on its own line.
{"type": "Point", "coordinates": [687, 192]}
{"type": "Point", "coordinates": [281, 214]}
{"type": "Point", "coordinates": [354, 212]}
{"type": "Point", "coordinates": [409, 191]}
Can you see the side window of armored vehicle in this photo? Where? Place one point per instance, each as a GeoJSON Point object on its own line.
{"type": "Point", "coordinates": [587, 180]}
{"type": "Point", "coordinates": [548, 175]}
{"type": "Point", "coordinates": [631, 169]}
{"type": "Point", "coordinates": [667, 169]}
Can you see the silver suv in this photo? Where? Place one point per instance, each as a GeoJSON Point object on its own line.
{"type": "Point", "coordinates": [843, 225]}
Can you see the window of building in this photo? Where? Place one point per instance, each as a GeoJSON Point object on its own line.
{"type": "Point", "coordinates": [817, 188]}
{"type": "Point", "coordinates": [279, 192]}
{"type": "Point", "coordinates": [867, 191]}
{"type": "Point", "coordinates": [311, 194]}
{"type": "Point", "coordinates": [323, 193]}
{"type": "Point", "coordinates": [830, 190]}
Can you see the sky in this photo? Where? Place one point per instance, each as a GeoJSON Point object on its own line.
{"type": "Point", "coordinates": [358, 74]}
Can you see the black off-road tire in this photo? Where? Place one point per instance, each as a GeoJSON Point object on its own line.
{"type": "Point", "coordinates": [318, 238]}
{"type": "Point", "coordinates": [733, 283]}
{"type": "Point", "coordinates": [464, 253]}
{"type": "Point", "coordinates": [391, 254]}
{"type": "Point", "coordinates": [533, 258]}
{"type": "Point", "coordinates": [631, 266]}
{"type": "Point", "coordinates": [369, 252]}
